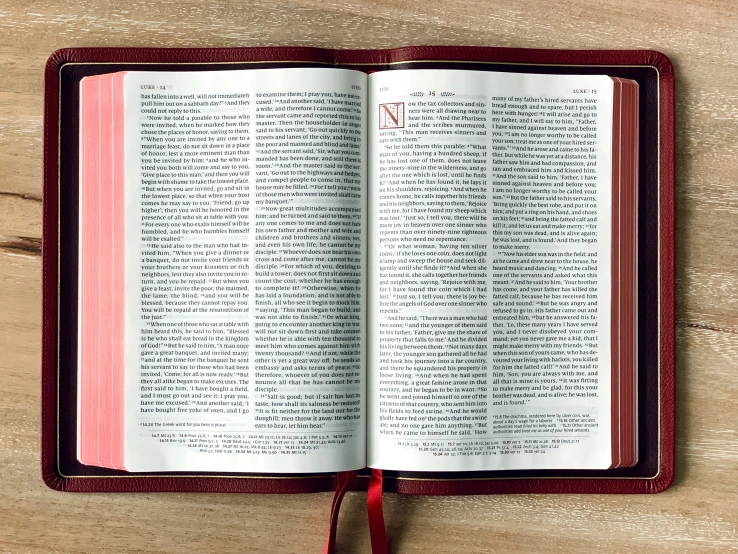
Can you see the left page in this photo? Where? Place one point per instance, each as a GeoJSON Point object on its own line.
{"type": "Point", "coordinates": [245, 258]}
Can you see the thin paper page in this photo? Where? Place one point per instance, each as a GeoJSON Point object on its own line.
{"type": "Point", "coordinates": [245, 271]}
{"type": "Point", "coordinates": [490, 271]}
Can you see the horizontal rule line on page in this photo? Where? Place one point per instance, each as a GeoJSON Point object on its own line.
{"type": "Point", "coordinates": [432, 439]}
{"type": "Point", "coordinates": [168, 430]}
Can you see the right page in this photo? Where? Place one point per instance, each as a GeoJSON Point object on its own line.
{"type": "Point", "coordinates": [490, 271]}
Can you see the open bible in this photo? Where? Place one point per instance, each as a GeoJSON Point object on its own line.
{"type": "Point", "coordinates": [310, 270]}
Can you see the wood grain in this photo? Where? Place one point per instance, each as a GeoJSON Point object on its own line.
{"type": "Point", "coordinates": [698, 514]}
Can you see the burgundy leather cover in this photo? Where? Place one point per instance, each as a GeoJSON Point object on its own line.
{"type": "Point", "coordinates": [654, 73]}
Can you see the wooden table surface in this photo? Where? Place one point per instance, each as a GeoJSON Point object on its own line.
{"type": "Point", "coordinates": [699, 513]}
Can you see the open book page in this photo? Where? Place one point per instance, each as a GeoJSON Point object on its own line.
{"type": "Point", "coordinates": [489, 290]}
{"type": "Point", "coordinates": [245, 264]}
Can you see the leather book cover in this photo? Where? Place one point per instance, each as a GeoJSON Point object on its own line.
{"type": "Point", "coordinates": [654, 471]}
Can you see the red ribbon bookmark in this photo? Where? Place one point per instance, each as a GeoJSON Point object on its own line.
{"type": "Point", "coordinates": [377, 531]}
{"type": "Point", "coordinates": [343, 480]}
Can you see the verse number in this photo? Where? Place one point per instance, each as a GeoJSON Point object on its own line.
{"type": "Point", "coordinates": [431, 93]}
